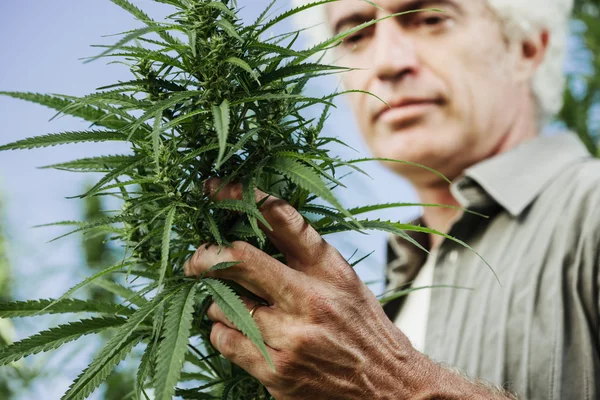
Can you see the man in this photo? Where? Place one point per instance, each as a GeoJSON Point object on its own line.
{"type": "Point", "coordinates": [469, 90]}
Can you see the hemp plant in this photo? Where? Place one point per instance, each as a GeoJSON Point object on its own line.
{"type": "Point", "coordinates": [208, 98]}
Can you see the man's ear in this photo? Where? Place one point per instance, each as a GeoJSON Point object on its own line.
{"type": "Point", "coordinates": [532, 52]}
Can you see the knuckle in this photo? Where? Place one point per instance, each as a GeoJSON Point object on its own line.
{"type": "Point", "coordinates": [223, 341]}
{"type": "Point", "coordinates": [192, 265]}
{"type": "Point", "coordinates": [283, 213]}
{"type": "Point", "coordinates": [242, 251]}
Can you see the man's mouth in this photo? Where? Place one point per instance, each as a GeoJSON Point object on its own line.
{"type": "Point", "coordinates": [406, 109]}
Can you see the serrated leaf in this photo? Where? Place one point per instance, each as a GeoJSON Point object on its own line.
{"type": "Point", "coordinates": [30, 308]}
{"type": "Point", "coordinates": [293, 11]}
{"type": "Point", "coordinates": [53, 338]}
{"type": "Point", "coordinates": [127, 294]}
{"type": "Point", "coordinates": [221, 122]}
{"type": "Point", "coordinates": [173, 346]}
{"type": "Point", "coordinates": [55, 139]}
{"type": "Point", "coordinates": [162, 105]}
{"type": "Point", "coordinates": [156, 143]}
{"type": "Point", "coordinates": [165, 247]}
{"type": "Point", "coordinates": [229, 29]}
{"type": "Point", "coordinates": [360, 160]}
{"type": "Point", "coordinates": [243, 65]}
{"type": "Point", "coordinates": [145, 369]}
{"type": "Point", "coordinates": [60, 102]}
{"type": "Point", "coordinates": [128, 38]}
{"type": "Point", "coordinates": [93, 164]}
{"type": "Point", "coordinates": [114, 351]}
{"type": "Point", "coordinates": [307, 179]}
{"type": "Point", "coordinates": [235, 310]}
{"type": "Point", "coordinates": [142, 16]}
{"type": "Point", "coordinates": [223, 8]}
{"type": "Point", "coordinates": [91, 225]}
{"type": "Point", "coordinates": [242, 206]}
{"type": "Point", "coordinates": [95, 374]}
{"type": "Point", "coordinates": [221, 266]}
{"type": "Point", "coordinates": [291, 70]}
{"type": "Point", "coordinates": [85, 282]}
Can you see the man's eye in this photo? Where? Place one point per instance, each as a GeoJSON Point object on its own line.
{"type": "Point", "coordinates": [353, 39]}
{"type": "Point", "coordinates": [431, 21]}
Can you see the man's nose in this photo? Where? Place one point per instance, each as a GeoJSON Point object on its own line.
{"type": "Point", "coordinates": [395, 53]}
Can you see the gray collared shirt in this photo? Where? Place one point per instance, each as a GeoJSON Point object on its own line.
{"type": "Point", "coordinates": [535, 328]}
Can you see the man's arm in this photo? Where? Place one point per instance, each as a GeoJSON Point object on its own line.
{"type": "Point", "coordinates": [326, 332]}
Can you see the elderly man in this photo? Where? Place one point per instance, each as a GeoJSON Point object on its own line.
{"type": "Point", "coordinates": [469, 90]}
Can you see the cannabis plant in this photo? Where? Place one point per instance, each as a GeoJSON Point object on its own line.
{"type": "Point", "coordinates": [208, 97]}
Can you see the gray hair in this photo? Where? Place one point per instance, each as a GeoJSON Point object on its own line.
{"type": "Point", "coordinates": [520, 18]}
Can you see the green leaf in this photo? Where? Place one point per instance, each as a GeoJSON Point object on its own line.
{"type": "Point", "coordinates": [229, 28]}
{"type": "Point", "coordinates": [165, 248]}
{"type": "Point", "coordinates": [360, 160]}
{"type": "Point", "coordinates": [307, 179]}
{"type": "Point", "coordinates": [96, 373]}
{"type": "Point", "coordinates": [243, 65]}
{"type": "Point", "coordinates": [93, 164]}
{"type": "Point", "coordinates": [115, 349]}
{"type": "Point", "coordinates": [124, 169]}
{"type": "Point", "coordinates": [291, 12]}
{"type": "Point", "coordinates": [156, 142]}
{"type": "Point", "coordinates": [127, 294]}
{"type": "Point", "coordinates": [60, 102]}
{"type": "Point", "coordinates": [404, 292]}
{"type": "Point", "coordinates": [242, 206]}
{"type": "Point", "coordinates": [172, 348]}
{"type": "Point", "coordinates": [240, 143]}
{"type": "Point", "coordinates": [162, 105]}
{"type": "Point", "coordinates": [235, 310]}
{"type": "Point", "coordinates": [221, 122]}
{"type": "Point", "coordinates": [223, 8]}
{"type": "Point", "coordinates": [134, 34]}
{"type": "Point", "coordinates": [53, 338]}
{"type": "Point", "coordinates": [221, 266]}
{"type": "Point", "coordinates": [291, 70]}
{"type": "Point", "coordinates": [142, 16]}
{"type": "Point", "coordinates": [100, 222]}
{"type": "Point", "coordinates": [83, 283]}
{"type": "Point", "coordinates": [30, 308]}
{"type": "Point", "coordinates": [336, 39]}
{"type": "Point", "coordinates": [55, 139]}
{"type": "Point", "coordinates": [145, 368]}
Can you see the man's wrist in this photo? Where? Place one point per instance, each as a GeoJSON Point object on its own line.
{"type": "Point", "coordinates": [423, 379]}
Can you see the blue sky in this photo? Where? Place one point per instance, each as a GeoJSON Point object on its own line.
{"type": "Point", "coordinates": [41, 43]}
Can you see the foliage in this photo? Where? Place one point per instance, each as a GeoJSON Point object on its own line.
{"type": "Point", "coordinates": [208, 98]}
{"type": "Point", "coordinates": [99, 253]}
{"type": "Point", "coordinates": [581, 111]}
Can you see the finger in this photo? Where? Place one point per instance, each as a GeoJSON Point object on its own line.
{"type": "Point", "coordinates": [238, 349]}
{"type": "Point", "coordinates": [291, 234]}
{"type": "Point", "coordinates": [267, 319]}
{"type": "Point", "coordinates": [258, 272]}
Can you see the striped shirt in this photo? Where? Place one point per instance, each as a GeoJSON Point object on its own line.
{"type": "Point", "coordinates": [535, 328]}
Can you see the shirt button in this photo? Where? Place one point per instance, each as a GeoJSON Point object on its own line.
{"type": "Point", "coordinates": [453, 256]}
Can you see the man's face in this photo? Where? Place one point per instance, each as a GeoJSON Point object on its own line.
{"type": "Point", "coordinates": [450, 78]}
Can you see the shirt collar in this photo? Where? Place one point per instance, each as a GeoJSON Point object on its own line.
{"type": "Point", "coordinates": [514, 179]}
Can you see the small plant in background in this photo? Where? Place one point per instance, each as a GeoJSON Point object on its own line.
{"type": "Point", "coordinates": [208, 98]}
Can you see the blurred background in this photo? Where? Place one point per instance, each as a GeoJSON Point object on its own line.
{"type": "Point", "coordinates": [41, 43]}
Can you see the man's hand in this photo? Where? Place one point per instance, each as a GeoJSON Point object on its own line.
{"type": "Point", "coordinates": [325, 331]}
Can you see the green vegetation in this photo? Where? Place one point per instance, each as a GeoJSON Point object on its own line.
{"type": "Point", "coordinates": [208, 98]}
